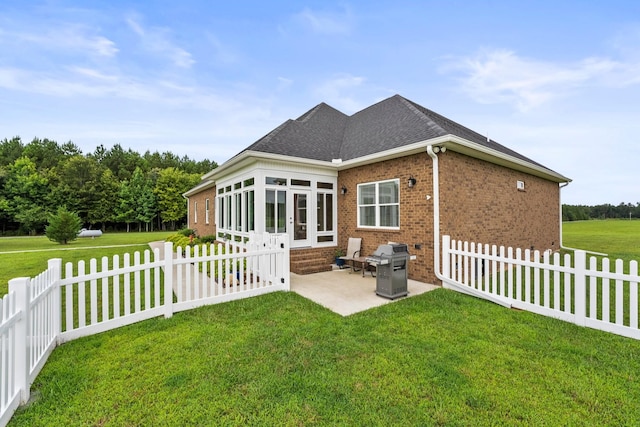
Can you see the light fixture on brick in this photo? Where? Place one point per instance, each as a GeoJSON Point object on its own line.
{"type": "Point", "coordinates": [411, 181]}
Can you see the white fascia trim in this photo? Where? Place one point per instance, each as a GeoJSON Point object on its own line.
{"type": "Point", "coordinates": [248, 157]}
{"type": "Point", "coordinates": [451, 142]}
{"type": "Point", "coordinates": [198, 188]}
{"type": "Point", "coordinates": [454, 143]}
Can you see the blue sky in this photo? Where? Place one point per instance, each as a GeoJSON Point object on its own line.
{"type": "Point", "coordinates": [556, 81]}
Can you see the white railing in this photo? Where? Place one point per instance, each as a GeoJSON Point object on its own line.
{"type": "Point", "coordinates": [566, 287]}
{"type": "Point", "coordinates": [38, 314]}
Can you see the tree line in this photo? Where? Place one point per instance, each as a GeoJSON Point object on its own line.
{"type": "Point", "coordinates": [111, 188]}
{"type": "Point", "coordinates": [605, 211]}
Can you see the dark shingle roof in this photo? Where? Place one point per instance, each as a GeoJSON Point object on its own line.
{"type": "Point", "coordinates": [324, 133]}
{"type": "Point", "coordinates": [317, 134]}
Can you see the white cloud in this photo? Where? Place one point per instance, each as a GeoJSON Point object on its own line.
{"type": "Point", "coordinates": [284, 83]}
{"type": "Point", "coordinates": [157, 41]}
{"type": "Point", "coordinates": [221, 51]}
{"type": "Point", "coordinates": [326, 22]}
{"type": "Point", "coordinates": [340, 92]}
{"type": "Point", "coordinates": [501, 76]}
{"type": "Point", "coordinates": [70, 39]}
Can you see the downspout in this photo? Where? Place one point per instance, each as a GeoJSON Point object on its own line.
{"type": "Point", "coordinates": [436, 214]}
{"type": "Point", "coordinates": [566, 247]}
{"type": "Point", "coordinates": [446, 282]}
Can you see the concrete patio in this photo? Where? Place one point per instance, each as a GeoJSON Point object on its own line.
{"type": "Point", "coordinates": [347, 293]}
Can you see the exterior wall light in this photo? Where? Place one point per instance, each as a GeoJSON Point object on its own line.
{"type": "Point", "coordinates": [343, 190]}
{"type": "Point", "coordinates": [411, 181]}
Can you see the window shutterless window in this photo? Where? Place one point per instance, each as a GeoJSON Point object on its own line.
{"type": "Point", "coordinates": [195, 212]}
{"type": "Point", "coordinates": [206, 211]}
{"type": "Point", "coordinates": [379, 204]}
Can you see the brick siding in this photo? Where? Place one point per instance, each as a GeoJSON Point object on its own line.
{"type": "Point", "coordinates": [201, 226]}
{"type": "Point", "coordinates": [479, 202]}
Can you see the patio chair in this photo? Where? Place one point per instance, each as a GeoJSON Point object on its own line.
{"type": "Point", "coordinates": [353, 258]}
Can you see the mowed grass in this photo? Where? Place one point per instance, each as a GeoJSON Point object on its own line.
{"type": "Point", "coordinates": [28, 256]}
{"type": "Point", "coordinates": [440, 358]}
{"type": "Point", "coordinates": [616, 238]}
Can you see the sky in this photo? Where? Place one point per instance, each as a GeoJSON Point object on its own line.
{"type": "Point", "coordinates": [557, 81]}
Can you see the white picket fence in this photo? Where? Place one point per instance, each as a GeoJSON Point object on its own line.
{"type": "Point", "coordinates": [566, 288]}
{"type": "Point", "coordinates": [40, 313]}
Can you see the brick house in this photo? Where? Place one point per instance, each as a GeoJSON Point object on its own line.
{"type": "Point", "coordinates": [327, 176]}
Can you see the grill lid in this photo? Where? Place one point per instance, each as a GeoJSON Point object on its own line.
{"type": "Point", "coordinates": [391, 249]}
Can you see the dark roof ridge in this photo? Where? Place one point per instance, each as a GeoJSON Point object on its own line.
{"type": "Point", "coordinates": [269, 136]}
{"type": "Point", "coordinates": [412, 106]}
{"type": "Point", "coordinates": [309, 114]}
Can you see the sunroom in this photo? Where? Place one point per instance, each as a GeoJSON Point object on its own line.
{"type": "Point", "coordinates": [298, 199]}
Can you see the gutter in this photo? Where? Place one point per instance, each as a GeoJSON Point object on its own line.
{"type": "Point", "coordinates": [567, 247]}
{"type": "Point", "coordinates": [447, 283]}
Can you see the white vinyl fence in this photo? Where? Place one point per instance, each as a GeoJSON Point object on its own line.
{"type": "Point", "coordinates": [58, 306]}
{"type": "Point", "coordinates": [569, 288]}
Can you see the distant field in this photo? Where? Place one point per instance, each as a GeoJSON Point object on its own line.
{"type": "Point", "coordinates": [16, 260]}
{"type": "Point", "coordinates": [616, 238]}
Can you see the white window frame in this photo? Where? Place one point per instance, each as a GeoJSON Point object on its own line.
{"type": "Point", "coordinates": [377, 205]}
{"type": "Point", "coordinates": [195, 212]}
{"type": "Point", "coordinates": [206, 211]}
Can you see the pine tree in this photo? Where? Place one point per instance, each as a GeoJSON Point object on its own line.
{"type": "Point", "coordinates": [63, 226]}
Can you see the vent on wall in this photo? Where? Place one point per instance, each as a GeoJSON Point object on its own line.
{"type": "Point", "coordinates": [520, 185]}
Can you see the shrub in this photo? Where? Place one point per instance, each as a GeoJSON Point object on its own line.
{"type": "Point", "coordinates": [207, 239]}
{"type": "Point", "coordinates": [63, 226]}
{"type": "Point", "coordinates": [186, 232]}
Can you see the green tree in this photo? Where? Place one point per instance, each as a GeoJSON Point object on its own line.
{"type": "Point", "coordinates": [170, 186]}
{"type": "Point", "coordinates": [105, 203]}
{"type": "Point", "coordinates": [26, 193]}
{"type": "Point", "coordinates": [63, 226]}
{"type": "Point", "coordinates": [10, 150]}
{"type": "Point", "coordinates": [79, 187]}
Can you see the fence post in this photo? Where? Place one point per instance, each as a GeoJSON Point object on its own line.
{"type": "Point", "coordinates": [286, 275]}
{"type": "Point", "coordinates": [580, 285]}
{"type": "Point", "coordinates": [21, 287]}
{"type": "Point", "coordinates": [168, 280]}
{"type": "Point", "coordinates": [446, 259]}
{"type": "Point", "coordinates": [55, 266]}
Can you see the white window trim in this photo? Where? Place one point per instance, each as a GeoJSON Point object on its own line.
{"type": "Point", "coordinates": [377, 205]}
{"type": "Point", "coordinates": [195, 212]}
{"type": "Point", "coordinates": [206, 211]}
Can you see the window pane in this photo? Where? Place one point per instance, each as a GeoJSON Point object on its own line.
{"type": "Point", "coordinates": [320, 212]}
{"type": "Point", "coordinates": [221, 212]}
{"type": "Point", "coordinates": [368, 216]}
{"type": "Point", "coordinates": [388, 192]}
{"type": "Point", "coordinates": [239, 212]}
{"type": "Point", "coordinates": [270, 212]}
{"type": "Point", "coordinates": [282, 212]}
{"type": "Point", "coordinates": [275, 181]}
{"type": "Point", "coordinates": [329, 212]}
{"type": "Point", "coordinates": [248, 207]}
{"type": "Point", "coordinates": [389, 216]}
{"type": "Point", "coordinates": [228, 214]}
{"type": "Point", "coordinates": [367, 194]}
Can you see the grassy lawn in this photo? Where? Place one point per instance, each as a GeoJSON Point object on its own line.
{"type": "Point", "coordinates": [16, 262]}
{"type": "Point", "coordinates": [440, 358]}
{"type": "Point", "coordinates": [436, 359]}
{"type": "Point", "coordinates": [616, 238]}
